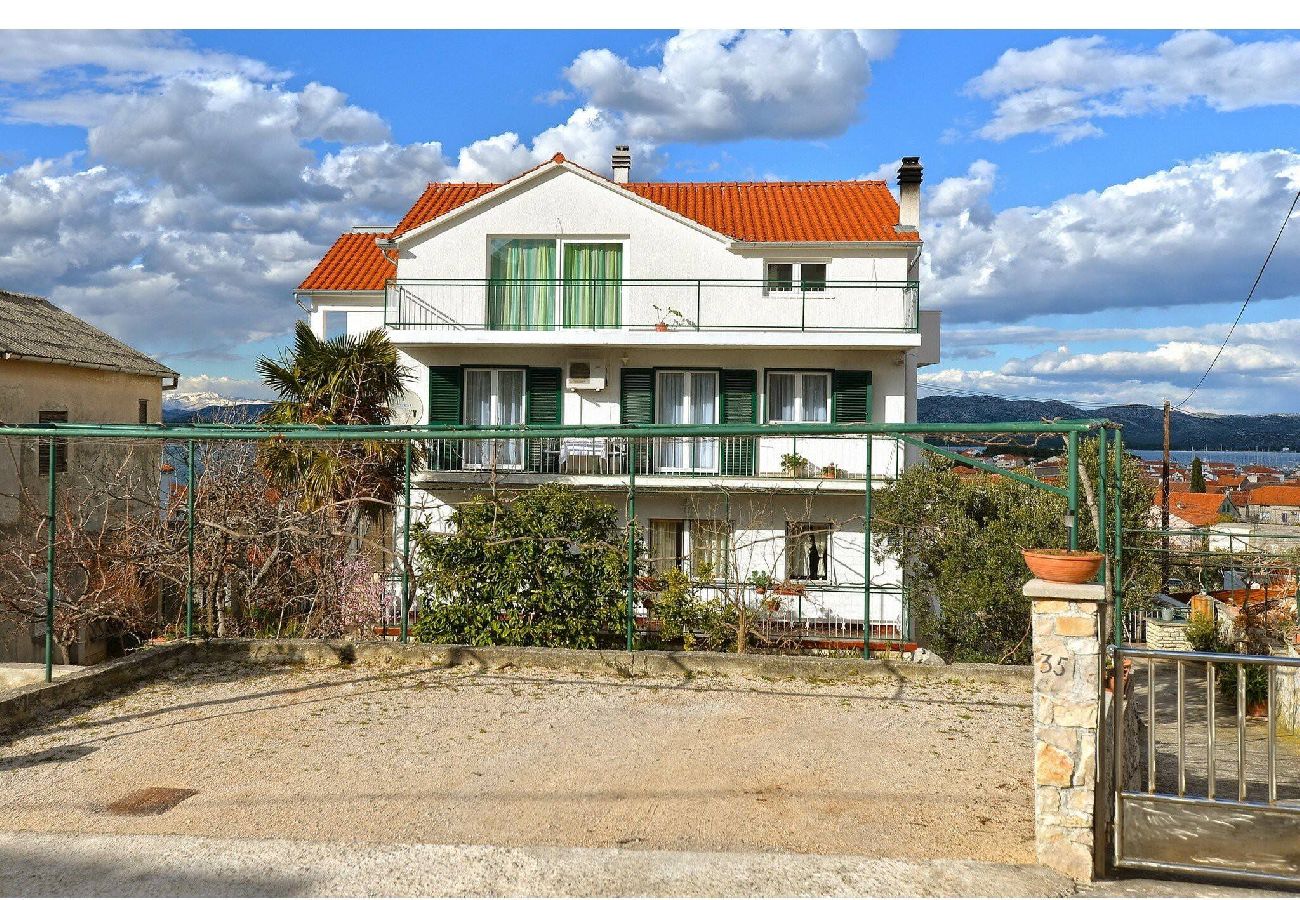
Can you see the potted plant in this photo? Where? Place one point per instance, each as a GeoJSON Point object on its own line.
{"type": "Point", "coordinates": [794, 464]}
{"type": "Point", "coordinates": [761, 581]}
{"type": "Point", "coordinates": [669, 317]}
{"type": "Point", "coordinates": [1063, 566]}
{"type": "Point", "coordinates": [831, 471]}
{"type": "Point", "coordinates": [788, 588]}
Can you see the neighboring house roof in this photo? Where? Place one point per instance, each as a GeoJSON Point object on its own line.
{"type": "Point", "coordinates": [752, 212]}
{"type": "Point", "coordinates": [1275, 495]}
{"type": "Point", "coordinates": [1196, 510]}
{"type": "Point", "coordinates": [33, 328]}
{"type": "Point", "coordinates": [353, 263]}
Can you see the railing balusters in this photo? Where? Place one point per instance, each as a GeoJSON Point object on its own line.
{"type": "Point", "coordinates": [1151, 725]}
{"type": "Point", "coordinates": [1182, 730]}
{"type": "Point", "coordinates": [1272, 740]}
{"type": "Point", "coordinates": [1209, 728]}
{"type": "Point", "coordinates": [1241, 731]}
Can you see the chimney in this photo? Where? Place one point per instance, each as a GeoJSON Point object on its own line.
{"type": "Point", "coordinates": [622, 164]}
{"type": "Point", "coordinates": [909, 194]}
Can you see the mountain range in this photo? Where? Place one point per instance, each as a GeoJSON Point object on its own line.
{"type": "Point", "coordinates": [1143, 425]}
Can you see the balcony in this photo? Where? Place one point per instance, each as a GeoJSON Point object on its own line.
{"type": "Point", "coordinates": [649, 311]}
{"type": "Point", "coordinates": [825, 463]}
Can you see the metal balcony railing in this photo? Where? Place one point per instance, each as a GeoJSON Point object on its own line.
{"type": "Point", "coordinates": [700, 304]}
{"type": "Point", "coordinates": [821, 459]}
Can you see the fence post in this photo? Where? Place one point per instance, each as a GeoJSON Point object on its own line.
{"type": "Point", "coordinates": [1072, 482]}
{"type": "Point", "coordinates": [699, 286]}
{"type": "Point", "coordinates": [631, 540]}
{"type": "Point", "coordinates": [50, 529]}
{"type": "Point", "coordinates": [1117, 504]}
{"type": "Point", "coordinates": [1068, 664]}
{"type": "Point", "coordinates": [406, 543]}
{"type": "Point", "coordinates": [189, 540]}
{"type": "Point", "coordinates": [866, 558]}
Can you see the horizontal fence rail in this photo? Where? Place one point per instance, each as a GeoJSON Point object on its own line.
{"type": "Point", "coordinates": [651, 305]}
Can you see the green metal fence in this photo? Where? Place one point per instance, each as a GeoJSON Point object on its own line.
{"type": "Point", "coordinates": [638, 442]}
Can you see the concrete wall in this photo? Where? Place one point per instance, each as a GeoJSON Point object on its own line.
{"type": "Point", "coordinates": [86, 395]}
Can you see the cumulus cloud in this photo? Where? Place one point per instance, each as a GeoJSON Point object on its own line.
{"type": "Point", "coordinates": [1185, 235]}
{"type": "Point", "coordinates": [1062, 88]}
{"type": "Point", "coordinates": [726, 85]}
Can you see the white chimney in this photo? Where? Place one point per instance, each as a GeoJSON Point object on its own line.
{"type": "Point", "coordinates": [622, 164]}
{"type": "Point", "coordinates": [909, 194]}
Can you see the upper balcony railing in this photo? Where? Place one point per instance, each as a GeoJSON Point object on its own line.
{"type": "Point", "coordinates": [700, 304]}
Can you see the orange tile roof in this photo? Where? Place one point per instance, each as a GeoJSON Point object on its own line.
{"type": "Point", "coordinates": [353, 263]}
{"type": "Point", "coordinates": [1275, 495]}
{"type": "Point", "coordinates": [1194, 509]}
{"type": "Point", "coordinates": [764, 211]}
{"type": "Point", "coordinates": [777, 211]}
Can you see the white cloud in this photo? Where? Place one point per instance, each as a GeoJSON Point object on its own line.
{"type": "Point", "coordinates": [114, 58]}
{"type": "Point", "coordinates": [728, 85]}
{"type": "Point", "coordinates": [1063, 87]}
{"type": "Point", "coordinates": [1190, 234]}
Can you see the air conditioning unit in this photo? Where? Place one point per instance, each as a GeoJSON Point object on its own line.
{"type": "Point", "coordinates": [584, 375]}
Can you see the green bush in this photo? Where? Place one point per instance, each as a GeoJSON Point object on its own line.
{"type": "Point", "coordinates": [547, 568]}
{"type": "Point", "coordinates": [1203, 634]}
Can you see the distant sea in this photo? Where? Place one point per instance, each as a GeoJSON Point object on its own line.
{"type": "Point", "coordinates": [1284, 461]}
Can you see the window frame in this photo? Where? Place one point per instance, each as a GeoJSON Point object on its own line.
{"type": "Point", "coordinates": [799, 530]}
{"type": "Point", "coordinates": [560, 242]}
{"type": "Point", "coordinates": [494, 414]}
{"type": "Point", "coordinates": [800, 375]}
{"type": "Point", "coordinates": [687, 397]}
{"type": "Point", "coordinates": [683, 557]}
{"type": "Point", "coordinates": [797, 278]}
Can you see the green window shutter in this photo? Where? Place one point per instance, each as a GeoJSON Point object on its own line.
{"type": "Point", "coordinates": [637, 397]}
{"type": "Point", "coordinates": [446, 384]}
{"type": "Point", "coordinates": [544, 407]}
{"type": "Point", "coordinates": [851, 396]}
{"type": "Point", "coordinates": [739, 407]}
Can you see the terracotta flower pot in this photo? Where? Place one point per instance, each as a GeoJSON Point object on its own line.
{"type": "Point", "coordinates": [661, 326]}
{"type": "Point", "coordinates": [1063, 566]}
{"type": "Point", "coordinates": [1257, 709]}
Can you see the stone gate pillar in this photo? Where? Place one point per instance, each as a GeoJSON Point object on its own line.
{"type": "Point", "coordinates": [1068, 667]}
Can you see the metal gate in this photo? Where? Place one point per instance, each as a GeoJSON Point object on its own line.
{"type": "Point", "coordinates": [1214, 791]}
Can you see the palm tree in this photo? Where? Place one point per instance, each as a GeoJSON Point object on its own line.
{"type": "Point", "coordinates": [338, 381]}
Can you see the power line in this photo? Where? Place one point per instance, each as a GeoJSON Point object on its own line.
{"type": "Point", "coordinates": [1245, 303]}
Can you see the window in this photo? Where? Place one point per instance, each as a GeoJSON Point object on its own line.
{"type": "Point", "coordinates": [695, 546]}
{"type": "Point", "coordinates": [526, 292]}
{"type": "Point", "coordinates": [687, 398]}
{"type": "Point", "coordinates": [494, 397]}
{"type": "Point", "coordinates": [809, 277]}
{"type": "Point", "coordinates": [60, 444]}
{"type": "Point", "coordinates": [808, 550]}
{"type": "Point", "coordinates": [336, 324]}
{"type": "Point", "coordinates": [798, 396]}
{"type": "Point", "coordinates": [142, 411]}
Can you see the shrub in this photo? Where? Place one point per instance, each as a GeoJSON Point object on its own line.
{"type": "Point", "coordinates": [1203, 634]}
{"type": "Point", "coordinates": [547, 568]}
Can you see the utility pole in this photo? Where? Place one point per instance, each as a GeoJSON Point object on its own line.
{"type": "Point", "coordinates": [1164, 508]}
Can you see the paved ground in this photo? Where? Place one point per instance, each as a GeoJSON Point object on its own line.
{"type": "Point", "coordinates": [531, 759]}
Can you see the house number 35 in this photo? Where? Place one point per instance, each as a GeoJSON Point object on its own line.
{"type": "Point", "coordinates": [1052, 665]}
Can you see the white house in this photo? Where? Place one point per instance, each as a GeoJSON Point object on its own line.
{"type": "Point", "coordinates": [562, 296]}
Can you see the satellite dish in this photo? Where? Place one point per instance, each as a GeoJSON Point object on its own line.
{"type": "Point", "coordinates": [408, 410]}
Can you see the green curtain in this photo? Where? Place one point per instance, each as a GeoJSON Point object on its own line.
{"type": "Point", "coordinates": [593, 285]}
{"type": "Point", "coordinates": [521, 294]}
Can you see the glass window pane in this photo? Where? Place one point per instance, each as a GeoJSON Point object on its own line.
{"type": "Point", "coordinates": [336, 324]}
{"type": "Point", "coordinates": [807, 550]}
{"type": "Point", "coordinates": [665, 545]}
{"type": "Point", "coordinates": [521, 295]}
{"type": "Point", "coordinates": [812, 276]}
{"type": "Point", "coordinates": [478, 397]}
{"type": "Point", "coordinates": [709, 542]}
{"type": "Point", "coordinates": [780, 276]}
{"type": "Point", "coordinates": [816, 398]}
{"type": "Point", "coordinates": [593, 277]}
{"type": "Point", "coordinates": [780, 397]}
{"type": "Point", "coordinates": [510, 397]}
{"type": "Point", "coordinates": [704, 398]}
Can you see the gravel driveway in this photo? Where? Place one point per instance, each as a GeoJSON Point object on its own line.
{"type": "Point", "coordinates": [872, 768]}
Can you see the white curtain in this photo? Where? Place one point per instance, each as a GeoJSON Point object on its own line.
{"type": "Point", "coordinates": [494, 397]}
{"type": "Point", "coordinates": [478, 411]}
{"type": "Point", "coordinates": [815, 390]}
{"type": "Point", "coordinates": [780, 397]}
{"type": "Point", "coordinates": [671, 403]}
{"type": "Point", "coordinates": [510, 411]}
{"type": "Point", "coordinates": [704, 411]}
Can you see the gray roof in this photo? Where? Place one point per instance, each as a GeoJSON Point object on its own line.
{"type": "Point", "coordinates": [33, 328]}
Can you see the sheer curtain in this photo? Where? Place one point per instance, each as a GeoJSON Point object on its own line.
{"type": "Point", "coordinates": [704, 411]}
{"type": "Point", "coordinates": [671, 403]}
{"type": "Point", "coordinates": [780, 397]}
{"type": "Point", "coordinates": [478, 411]}
{"type": "Point", "coordinates": [521, 293]}
{"type": "Point", "coordinates": [593, 275]}
{"type": "Point", "coordinates": [816, 389]}
{"type": "Point", "coordinates": [510, 411]}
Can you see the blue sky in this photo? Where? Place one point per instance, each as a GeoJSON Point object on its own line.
{"type": "Point", "coordinates": [1096, 204]}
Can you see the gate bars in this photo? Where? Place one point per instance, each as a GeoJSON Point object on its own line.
{"type": "Point", "coordinates": [910, 434]}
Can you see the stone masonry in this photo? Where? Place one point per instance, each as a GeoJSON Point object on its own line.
{"type": "Point", "coordinates": [1067, 715]}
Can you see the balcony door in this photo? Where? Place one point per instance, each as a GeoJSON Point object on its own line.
{"type": "Point", "coordinates": [687, 398]}
{"type": "Point", "coordinates": [494, 397]}
{"type": "Point", "coordinates": [593, 285]}
{"type": "Point", "coordinates": [521, 289]}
